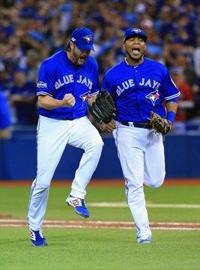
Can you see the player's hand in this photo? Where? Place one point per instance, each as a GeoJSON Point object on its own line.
{"type": "Point", "coordinates": [107, 128]}
{"type": "Point", "coordinates": [68, 100]}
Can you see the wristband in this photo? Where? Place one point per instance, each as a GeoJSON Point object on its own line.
{"type": "Point", "coordinates": [171, 116]}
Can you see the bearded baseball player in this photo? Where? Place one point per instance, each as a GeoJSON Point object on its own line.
{"type": "Point", "coordinates": [67, 82]}
{"type": "Point", "coordinates": [146, 102]}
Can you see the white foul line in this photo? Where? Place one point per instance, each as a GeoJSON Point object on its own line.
{"type": "Point", "coordinates": [149, 205]}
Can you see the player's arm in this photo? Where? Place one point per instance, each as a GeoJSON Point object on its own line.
{"type": "Point", "coordinates": [50, 103]}
{"type": "Point", "coordinates": [171, 107]}
{"type": "Point", "coordinates": [46, 87]}
{"type": "Point", "coordinates": [171, 94]}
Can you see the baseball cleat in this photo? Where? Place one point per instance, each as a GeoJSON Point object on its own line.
{"type": "Point", "coordinates": [37, 239]}
{"type": "Point", "coordinates": [147, 240]}
{"type": "Point", "coordinates": [79, 206]}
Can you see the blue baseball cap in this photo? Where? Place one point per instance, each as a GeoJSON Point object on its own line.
{"type": "Point", "coordinates": [135, 32]}
{"type": "Point", "coordinates": [83, 38]}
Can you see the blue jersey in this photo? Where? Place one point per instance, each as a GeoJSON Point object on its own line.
{"type": "Point", "coordinates": [138, 90]}
{"type": "Point", "coordinates": [5, 118]}
{"type": "Point", "coordinates": [59, 76]}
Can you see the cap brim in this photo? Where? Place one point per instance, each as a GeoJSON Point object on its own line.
{"type": "Point", "coordinates": [85, 47]}
{"type": "Point", "coordinates": [136, 35]}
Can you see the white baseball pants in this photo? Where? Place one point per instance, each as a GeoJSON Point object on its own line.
{"type": "Point", "coordinates": [52, 137]}
{"type": "Point", "coordinates": [141, 154]}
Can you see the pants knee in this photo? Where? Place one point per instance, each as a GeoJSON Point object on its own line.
{"type": "Point", "coordinates": [155, 181]}
{"type": "Point", "coordinates": [96, 145]}
{"type": "Point", "coordinates": [41, 183]}
{"type": "Point", "coordinates": [156, 184]}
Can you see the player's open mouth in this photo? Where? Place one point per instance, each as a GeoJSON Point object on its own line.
{"type": "Point", "coordinates": [135, 51]}
{"type": "Point", "coordinates": [82, 58]}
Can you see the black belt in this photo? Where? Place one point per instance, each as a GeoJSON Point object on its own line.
{"type": "Point", "coordinates": [138, 125]}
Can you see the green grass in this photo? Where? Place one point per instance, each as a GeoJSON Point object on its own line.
{"type": "Point", "coordinates": [99, 249]}
{"type": "Point", "coordinates": [13, 203]}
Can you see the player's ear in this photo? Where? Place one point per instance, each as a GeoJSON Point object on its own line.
{"type": "Point", "coordinates": [70, 46]}
{"type": "Point", "coordinates": [124, 47]}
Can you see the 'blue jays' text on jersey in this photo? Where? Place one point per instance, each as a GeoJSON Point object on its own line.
{"type": "Point", "coordinates": [138, 90]}
{"type": "Point", "coordinates": [59, 76]}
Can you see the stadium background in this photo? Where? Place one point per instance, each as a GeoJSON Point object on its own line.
{"type": "Point", "coordinates": [32, 30]}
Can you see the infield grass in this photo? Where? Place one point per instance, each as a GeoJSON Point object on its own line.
{"type": "Point", "coordinates": [102, 249]}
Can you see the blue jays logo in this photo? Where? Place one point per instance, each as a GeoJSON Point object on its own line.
{"type": "Point", "coordinates": [88, 38]}
{"type": "Point", "coordinates": [153, 96]}
{"type": "Point", "coordinates": [136, 30]}
{"type": "Point", "coordinates": [84, 96]}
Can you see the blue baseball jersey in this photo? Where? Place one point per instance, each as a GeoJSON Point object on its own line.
{"type": "Point", "coordinates": [138, 90]}
{"type": "Point", "coordinates": [59, 76]}
{"type": "Point", "coordinates": [5, 117]}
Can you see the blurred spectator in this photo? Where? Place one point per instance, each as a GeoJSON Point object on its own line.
{"type": "Point", "coordinates": [196, 59]}
{"type": "Point", "coordinates": [106, 60]}
{"type": "Point", "coordinates": [186, 102]}
{"type": "Point", "coordinates": [23, 99]}
{"type": "Point", "coordinates": [31, 64]}
{"type": "Point", "coordinates": [5, 117]}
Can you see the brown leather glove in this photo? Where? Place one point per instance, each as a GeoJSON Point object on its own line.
{"type": "Point", "coordinates": [159, 124]}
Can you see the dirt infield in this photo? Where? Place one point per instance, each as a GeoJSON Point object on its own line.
{"type": "Point", "coordinates": [183, 226]}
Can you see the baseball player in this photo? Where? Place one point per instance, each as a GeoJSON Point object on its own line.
{"type": "Point", "coordinates": [66, 82]}
{"type": "Point", "coordinates": [5, 117]}
{"type": "Point", "coordinates": [141, 87]}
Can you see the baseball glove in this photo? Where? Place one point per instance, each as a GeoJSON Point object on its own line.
{"type": "Point", "coordinates": [159, 124]}
{"type": "Point", "coordinates": [103, 109]}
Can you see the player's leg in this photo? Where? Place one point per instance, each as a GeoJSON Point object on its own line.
{"type": "Point", "coordinates": [130, 143]}
{"type": "Point", "coordinates": [154, 161]}
{"type": "Point", "coordinates": [51, 141]}
{"type": "Point", "coordinates": [85, 136]}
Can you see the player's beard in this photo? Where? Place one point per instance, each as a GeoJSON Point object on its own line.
{"type": "Point", "coordinates": [78, 57]}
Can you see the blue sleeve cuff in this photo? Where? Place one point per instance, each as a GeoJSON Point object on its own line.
{"type": "Point", "coordinates": [171, 116]}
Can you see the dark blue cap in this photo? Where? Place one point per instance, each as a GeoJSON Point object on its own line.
{"type": "Point", "coordinates": [135, 32]}
{"type": "Point", "coordinates": [83, 38]}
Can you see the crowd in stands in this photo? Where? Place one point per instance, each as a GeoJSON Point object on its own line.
{"type": "Point", "coordinates": [32, 30]}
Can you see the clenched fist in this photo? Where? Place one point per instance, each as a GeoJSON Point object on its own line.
{"type": "Point", "coordinates": [68, 100]}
